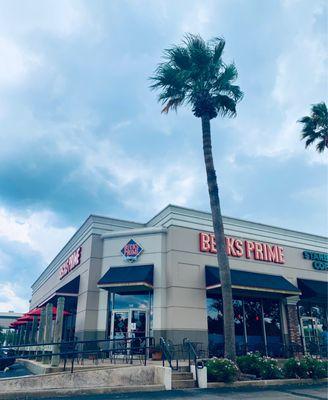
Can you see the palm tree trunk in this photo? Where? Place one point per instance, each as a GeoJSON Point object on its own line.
{"type": "Point", "coordinates": [223, 261]}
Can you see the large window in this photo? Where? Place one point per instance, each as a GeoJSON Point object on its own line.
{"type": "Point", "coordinates": [271, 315]}
{"type": "Point", "coordinates": [239, 325]}
{"type": "Point", "coordinates": [254, 325]}
{"type": "Point", "coordinates": [215, 325]}
{"type": "Point", "coordinates": [257, 325]}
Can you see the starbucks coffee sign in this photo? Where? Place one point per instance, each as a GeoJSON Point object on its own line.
{"type": "Point", "coordinates": [319, 260]}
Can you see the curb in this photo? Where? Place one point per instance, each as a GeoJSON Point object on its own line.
{"type": "Point", "coordinates": [26, 395]}
{"type": "Point", "coordinates": [266, 383]}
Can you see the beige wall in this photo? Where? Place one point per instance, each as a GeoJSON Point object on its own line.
{"type": "Point", "coordinates": [179, 297]}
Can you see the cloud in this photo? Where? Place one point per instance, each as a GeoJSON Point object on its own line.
{"type": "Point", "coordinates": [10, 300]}
{"type": "Point", "coordinates": [37, 230]}
{"type": "Point", "coordinates": [16, 63]}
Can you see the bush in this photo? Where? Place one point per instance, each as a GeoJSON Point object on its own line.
{"type": "Point", "coordinates": [250, 364]}
{"type": "Point", "coordinates": [261, 367]}
{"type": "Point", "coordinates": [294, 368]}
{"type": "Point", "coordinates": [307, 367]}
{"type": "Point", "coordinates": [221, 370]}
{"type": "Point", "coordinates": [270, 369]}
{"type": "Point", "coordinates": [316, 369]}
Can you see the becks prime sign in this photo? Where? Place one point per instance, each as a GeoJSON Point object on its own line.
{"type": "Point", "coordinates": [73, 261]}
{"type": "Point", "coordinates": [243, 248]}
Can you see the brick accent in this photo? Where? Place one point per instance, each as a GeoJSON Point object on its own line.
{"type": "Point", "coordinates": [293, 325]}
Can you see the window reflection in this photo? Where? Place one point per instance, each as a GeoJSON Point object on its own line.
{"type": "Point", "coordinates": [126, 301]}
{"type": "Point", "coordinates": [239, 325]}
{"type": "Point", "coordinates": [254, 328]}
{"type": "Point", "coordinates": [249, 312]}
{"type": "Point", "coordinates": [271, 315]}
{"type": "Point", "coordinates": [215, 325]}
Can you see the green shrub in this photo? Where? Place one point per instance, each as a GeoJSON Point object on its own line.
{"type": "Point", "coordinates": [261, 367]}
{"type": "Point", "coordinates": [294, 368]}
{"type": "Point", "coordinates": [307, 367]}
{"type": "Point", "coordinates": [221, 370]}
{"type": "Point", "coordinates": [316, 369]}
{"type": "Point", "coordinates": [270, 369]}
{"type": "Point", "coordinates": [250, 364]}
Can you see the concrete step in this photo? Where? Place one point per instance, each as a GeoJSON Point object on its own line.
{"type": "Point", "coordinates": [183, 368]}
{"type": "Point", "coordinates": [178, 376]}
{"type": "Point", "coordinates": [183, 384]}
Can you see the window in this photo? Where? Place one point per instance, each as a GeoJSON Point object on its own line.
{"type": "Point", "coordinates": [254, 327]}
{"type": "Point", "coordinates": [272, 321]}
{"type": "Point", "coordinates": [215, 325]}
{"type": "Point", "coordinates": [239, 325]}
{"type": "Point", "coordinates": [126, 301]}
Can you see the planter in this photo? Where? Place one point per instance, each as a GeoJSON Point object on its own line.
{"type": "Point", "coordinates": [157, 356]}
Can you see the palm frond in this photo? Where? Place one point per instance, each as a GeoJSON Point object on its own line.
{"type": "Point", "coordinates": [225, 105]}
{"type": "Point", "coordinates": [219, 44]}
{"type": "Point", "coordinates": [321, 146]}
{"type": "Point", "coordinates": [179, 57]}
{"type": "Point", "coordinates": [194, 73]}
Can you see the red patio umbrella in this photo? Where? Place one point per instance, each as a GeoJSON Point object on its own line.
{"type": "Point", "coordinates": [37, 311]}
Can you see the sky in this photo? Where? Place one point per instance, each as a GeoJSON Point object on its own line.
{"type": "Point", "coordinates": [81, 133]}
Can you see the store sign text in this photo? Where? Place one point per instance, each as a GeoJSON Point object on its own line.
{"type": "Point", "coordinates": [73, 261]}
{"type": "Point", "coordinates": [320, 260]}
{"type": "Point", "coordinates": [131, 251]}
{"type": "Point", "coordinates": [239, 248]}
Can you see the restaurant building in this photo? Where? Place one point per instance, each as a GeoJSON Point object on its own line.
{"type": "Point", "coordinates": [160, 278]}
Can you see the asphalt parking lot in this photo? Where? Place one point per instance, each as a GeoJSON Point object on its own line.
{"type": "Point", "coordinates": [15, 370]}
{"type": "Point", "coordinates": [313, 392]}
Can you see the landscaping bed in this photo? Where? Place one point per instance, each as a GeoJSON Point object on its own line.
{"type": "Point", "coordinates": [254, 367]}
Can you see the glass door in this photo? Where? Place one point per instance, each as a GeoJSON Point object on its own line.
{"type": "Point", "coordinates": [138, 330]}
{"type": "Point", "coordinates": [310, 334]}
{"type": "Point", "coordinates": [129, 324]}
{"type": "Point", "coordinates": [119, 331]}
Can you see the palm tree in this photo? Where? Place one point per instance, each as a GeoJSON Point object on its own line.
{"type": "Point", "coordinates": [194, 74]}
{"type": "Point", "coordinates": [315, 127]}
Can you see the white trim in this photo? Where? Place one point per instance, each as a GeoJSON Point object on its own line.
{"type": "Point", "coordinates": [135, 232]}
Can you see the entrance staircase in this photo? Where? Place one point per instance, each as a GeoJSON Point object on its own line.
{"type": "Point", "coordinates": [182, 379]}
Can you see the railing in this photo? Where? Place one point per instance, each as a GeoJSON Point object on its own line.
{"type": "Point", "coordinates": [169, 353]}
{"type": "Point", "coordinates": [193, 356]}
{"type": "Point", "coordinates": [78, 349]}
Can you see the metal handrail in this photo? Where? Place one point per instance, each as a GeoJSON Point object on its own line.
{"type": "Point", "coordinates": [192, 354]}
{"type": "Point", "coordinates": [74, 352]}
{"type": "Point", "coordinates": [167, 354]}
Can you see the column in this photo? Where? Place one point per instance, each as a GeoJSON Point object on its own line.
{"type": "Point", "coordinates": [34, 329]}
{"type": "Point", "coordinates": [58, 330]}
{"type": "Point", "coordinates": [40, 335]}
{"type": "Point", "coordinates": [47, 330]}
{"type": "Point", "coordinates": [294, 331]}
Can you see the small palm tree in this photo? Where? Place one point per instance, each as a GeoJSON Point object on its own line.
{"type": "Point", "coordinates": [195, 74]}
{"type": "Point", "coordinates": [315, 127]}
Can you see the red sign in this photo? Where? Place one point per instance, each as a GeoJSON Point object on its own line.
{"type": "Point", "coordinates": [73, 261]}
{"type": "Point", "coordinates": [238, 248]}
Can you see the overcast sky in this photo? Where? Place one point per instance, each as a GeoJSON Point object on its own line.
{"type": "Point", "coordinates": [81, 133]}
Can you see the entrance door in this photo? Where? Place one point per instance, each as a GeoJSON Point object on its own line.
{"type": "Point", "coordinates": [120, 323]}
{"type": "Point", "coordinates": [310, 334]}
{"type": "Point", "coordinates": [129, 324]}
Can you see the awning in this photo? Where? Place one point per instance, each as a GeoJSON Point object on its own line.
{"type": "Point", "coordinates": [127, 279]}
{"type": "Point", "coordinates": [70, 291]}
{"type": "Point", "coordinates": [315, 290]}
{"type": "Point", "coordinates": [71, 288]}
{"type": "Point", "coordinates": [253, 281]}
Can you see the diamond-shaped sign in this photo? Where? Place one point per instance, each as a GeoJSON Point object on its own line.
{"type": "Point", "coordinates": [131, 251]}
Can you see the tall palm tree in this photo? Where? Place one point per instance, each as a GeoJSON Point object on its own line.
{"type": "Point", "coordinates": [315, 127]}
{"type": "Point", "coordinates": [194, 73]}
